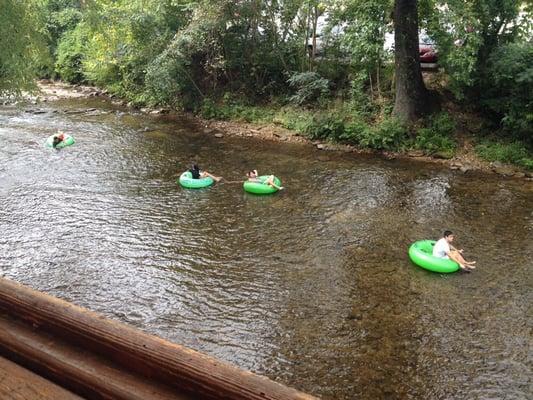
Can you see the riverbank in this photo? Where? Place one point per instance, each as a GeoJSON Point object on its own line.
{"type": "Point", "coordinates": [465, 158]}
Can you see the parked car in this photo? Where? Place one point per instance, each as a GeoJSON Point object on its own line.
{"type": "Point", "coordinates": [428, 52]}
{"type": "Point", "coordinates": [426, 48]}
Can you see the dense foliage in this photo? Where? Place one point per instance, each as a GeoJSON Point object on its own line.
{"type": "Point", "coordinates": [21, 47]}
{"type": "Point", "coordinates": [331, 57]}
{"type": "Point", "coordinates": [509, 89]}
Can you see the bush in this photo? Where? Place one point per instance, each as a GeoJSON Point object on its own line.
{"type": "Point", "coordinates": [22, 49]}
{"type": "Point", "coordinates": [355, 132]}
{"type": "Point", "coordinates": [228, 109]}
{"type": "Point", "coordinates": [508, 88]}
{"type": "Point", "coordinates": [210, 110]}
{"type": "Point", "coordinates": [70, 55]}
{"type": "Point", "coordinates": [310, 87]}
{"type": "Point", "coordinates": [296, 120]}
{"type": "Point", "coordinates": [508, 152]}
{"type": "Point", "coordinates": [165, 80]}
{"type": "Point", "coordinates": [436, 137]}
{"type": "Point", "coordinates": [325, 127]}
{"type": "Point", "coordinates": [389, 134]}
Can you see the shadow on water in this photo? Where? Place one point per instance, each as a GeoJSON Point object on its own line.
{"type": "Point", "coordinates": [311, 286]}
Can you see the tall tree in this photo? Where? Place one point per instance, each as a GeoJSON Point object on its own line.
{"type": "Point", "coordinates": [411, 94]}
{"type": "Point", "coordinates": [21, 45]}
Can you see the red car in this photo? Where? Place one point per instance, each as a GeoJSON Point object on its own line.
{"type": "Point", "coordinates": [427, 51]}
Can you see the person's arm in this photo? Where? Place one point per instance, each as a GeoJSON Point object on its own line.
{"type": "Point", "coordinates": [448, 253]}
{"type": "Point", "coordinates": [455, 249]}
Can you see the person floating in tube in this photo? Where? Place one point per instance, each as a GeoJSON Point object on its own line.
{"type": "Point", "coordinates": [198, 174]}
{"type": "Point", "coordinates": [253, 176]}
{"type": "Point", "coordinates": [444, 249]}
{"type": "Point", "coordinates": [58, 138]}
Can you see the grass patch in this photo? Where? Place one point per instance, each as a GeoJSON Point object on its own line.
{"type": "Point", "coordinates": [298, 120]}
{"type": "Point", "coordinates": [514, 152]}
{"type": "Point", "coordinates": [292, 118]}
{"type": "Point", "coordinates": [387, 134]}
{"type": "Point", "coordinates": [238, 112]}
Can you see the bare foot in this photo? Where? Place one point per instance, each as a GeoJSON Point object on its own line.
{"type": "Point", "coordinates": [471, 267]}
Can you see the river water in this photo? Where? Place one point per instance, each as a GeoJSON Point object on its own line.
{"type": "Point", "coordinates": [311, 286]}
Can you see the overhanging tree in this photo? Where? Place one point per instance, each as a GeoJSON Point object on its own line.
{"type": "Point", "coordinates": [21, 45]}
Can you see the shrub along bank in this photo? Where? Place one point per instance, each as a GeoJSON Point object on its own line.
{"type": "Point", "coordinates": [432, 136]}
{"type": "Point", "coordinates": [320, 68]}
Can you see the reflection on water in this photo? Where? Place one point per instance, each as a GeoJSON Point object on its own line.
{"type": "Point", "coordinates": [311, 286]}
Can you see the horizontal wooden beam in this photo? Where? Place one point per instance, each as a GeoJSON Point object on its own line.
{"type": "Point", "coordinates": [17, 383]}
{"type": "Point", "coordinates": [147, 356]}
{"type": "Point", "coordinates": [71, 366]}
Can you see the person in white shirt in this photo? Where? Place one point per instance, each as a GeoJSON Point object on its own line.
{"type": "Point", "coordinates": [444, 249]}
{"type": "Point", "coordinates": [253, 176]}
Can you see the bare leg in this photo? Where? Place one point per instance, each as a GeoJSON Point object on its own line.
{"type": "Point", "coordinates": [454, 257]}
{"type": "Point", "coordinates": [215, 178]}
{"type": "Point", "coordinates": [458, 258]}
{"type": "Point", "coordinates": [270, 181]}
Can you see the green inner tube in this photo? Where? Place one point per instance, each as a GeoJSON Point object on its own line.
{"type": "Point", "coordinates": [421, 253]}
{"type": "Point", "coordinates": [67, 141]}
{"type": "Point", "coordinates": [261, 187]}
{"type": "Point", "coordinates": [186, 180]}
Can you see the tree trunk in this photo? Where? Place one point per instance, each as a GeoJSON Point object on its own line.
{"type": "Point", "coordinates": [315, 23]}
{"type": "Point", "coordinates": [307, 54]}
{"type": "Point", "coordinates": [411, 95]}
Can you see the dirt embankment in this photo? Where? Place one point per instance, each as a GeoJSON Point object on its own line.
{"type": "Point", "coordinates": [465, 159]}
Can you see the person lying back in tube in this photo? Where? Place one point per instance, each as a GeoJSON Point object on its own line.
{"type": "Point", "coordinates": [198, 174]}
{"type": "Point", "coordinates": [253, 176]}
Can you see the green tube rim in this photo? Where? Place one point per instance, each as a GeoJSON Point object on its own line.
{"type": "Point", "coordinates": [186, 180]}
{"type": "Point", "coordinates": [68, 141]}
{"type": "Point", "coordinates": [260, 187]}
{"type": "Point", "coordinates": [421, 253]}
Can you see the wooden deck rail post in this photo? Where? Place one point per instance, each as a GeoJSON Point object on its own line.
{"type": "Point", "coordinates": [148, 356]}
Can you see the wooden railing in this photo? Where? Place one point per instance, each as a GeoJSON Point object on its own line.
{"type": "Point", "coordinates": [98, 358]}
